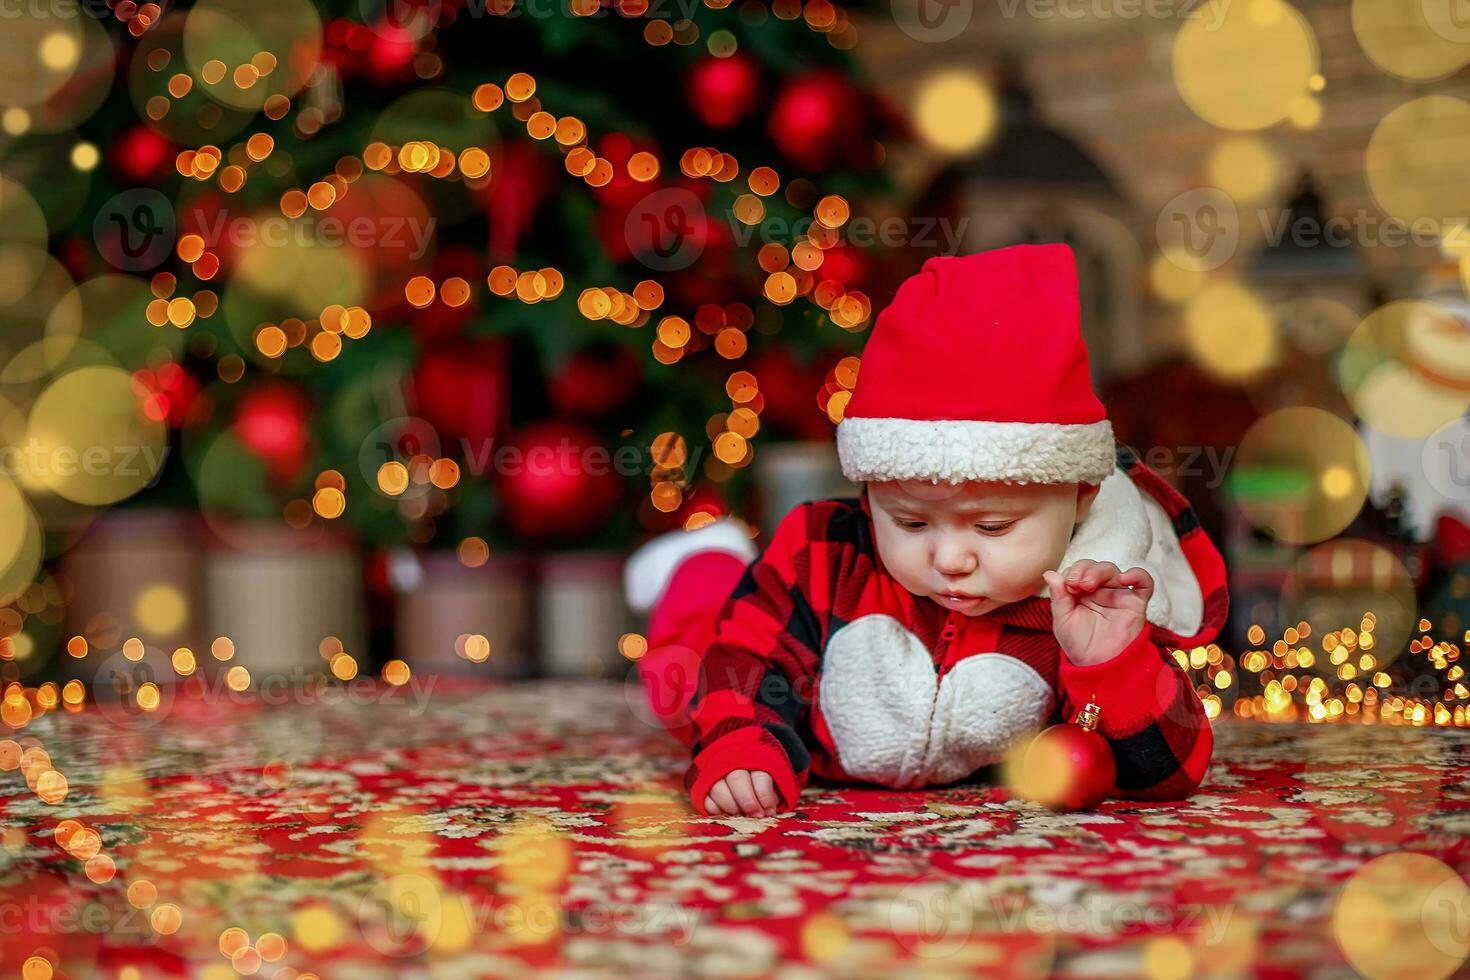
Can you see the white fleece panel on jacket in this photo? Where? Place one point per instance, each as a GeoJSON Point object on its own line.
{"type": "Point", "coordinates": [895, 723]}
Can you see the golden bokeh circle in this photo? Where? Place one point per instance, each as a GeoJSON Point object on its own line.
{"type": "Point", "coordinates": [955, 112]}
{"type": "Point", "coordinates": [1400, 38]}
{"type": "Point", "coordinates": [1300, 475]}
{"type": "Point", "coordinates": [39, 53]}
{"type": "Point", "coordinates": [1414, 161]}
{"type": "Point", "coordinates": [1400, 916]}
{"type": "Point", "coordinates": [90, 441]}
{"type": "Point", "coordinates": [1245, 68]}
{"type": "Point", "coordinates": [1245, 168]}
{"type": "Point", "coordinates": [1230, 333]}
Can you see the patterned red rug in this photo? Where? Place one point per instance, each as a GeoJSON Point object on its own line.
{"type": "Point", "coordinates": [539, 828]}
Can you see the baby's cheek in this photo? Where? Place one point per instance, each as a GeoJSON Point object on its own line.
{"type": "Point", "coordinates": [1017, 566]}
{"type": "Point", "coordinates": [906, 560]}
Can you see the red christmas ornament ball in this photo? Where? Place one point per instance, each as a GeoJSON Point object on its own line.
{"type": "Point", "coordinates": [817, 119]}
{"type": "Point", "coordinates": [595, 380]}
{"type": "Point", "coordinates": [723, 91]}
{"type": "Point", "coordinates": [140, 155]}
{"type": "Point", "coordinates": [463, 390]}
{"type": "Point", "coordinates": [270, 421]}
{"type": "Point", "coordinates": [556, 480]}
{"type": "Point", "coordinates": [1069, 766]}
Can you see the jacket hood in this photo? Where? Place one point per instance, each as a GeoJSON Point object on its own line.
{"type": "Point", "coordinates": [1138, 519]}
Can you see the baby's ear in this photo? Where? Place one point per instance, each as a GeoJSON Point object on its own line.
{"type": "Point", "coordinates": [1086, 494]}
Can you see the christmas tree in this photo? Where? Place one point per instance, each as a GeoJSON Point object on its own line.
{"type": "Point", "coordinates": [525, 274]}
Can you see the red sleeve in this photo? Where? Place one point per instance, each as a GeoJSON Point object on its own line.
{"type": "Point", "coordinates": [1149, 713]}
{"type": "Point", "coordinates": [756, 678]}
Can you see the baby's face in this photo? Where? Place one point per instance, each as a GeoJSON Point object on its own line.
{"type": "Point", "coordinates": [990, 541]}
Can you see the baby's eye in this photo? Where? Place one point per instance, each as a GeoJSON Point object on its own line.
{"type": "Point", "coordinates": [908, 525]}
{"type": "Point", "coordinates": [994, 528]}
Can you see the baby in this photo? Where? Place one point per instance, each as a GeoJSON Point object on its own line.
{"type": "Point", "coordinates": [1005, 563]}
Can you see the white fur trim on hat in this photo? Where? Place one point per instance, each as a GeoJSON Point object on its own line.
{"type": "Point", "coordinates": [953, 450]}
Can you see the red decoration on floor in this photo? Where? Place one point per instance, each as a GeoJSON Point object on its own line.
{"type": "Point", "coordinates": [1070, 766]}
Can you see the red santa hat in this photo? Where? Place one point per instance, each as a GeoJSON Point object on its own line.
{"type": "Point", "coordinates": [977, 371]}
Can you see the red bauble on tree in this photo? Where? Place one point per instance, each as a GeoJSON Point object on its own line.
{"type": "Point", "coordinates": [171, 392]}
{"type": "Point", "coordinates": [523, 179]}
{"type": "Point", "coordinates": [844, 263]}
{"type": "Point", "coordinates": [140, 155]}
{"type": "Point", "coordinates": [462, 390]}
{"type": "Point", "coordinates": [556, 481]}
{"type": "Point", "coordinates": [818, 119]}
{"type": "Point", "coordinates": [390, 51]}
{"type": "Point", "coordinates": [595, 380]}
{"type": "Point", "coordinates": [723, 91]}
{"type": "Point", "coordinates": [1069, 766]}
{"type": "Point", "coordinates": [270, 421]}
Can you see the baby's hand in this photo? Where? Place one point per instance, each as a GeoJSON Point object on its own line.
{"type": "Point", "coordinates": [743, 791]}
{"type": "Point", "coordinates": [1096, 609]}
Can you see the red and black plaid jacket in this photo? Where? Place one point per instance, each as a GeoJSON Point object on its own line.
{"type": "Point", "coordinates": [820, 657]}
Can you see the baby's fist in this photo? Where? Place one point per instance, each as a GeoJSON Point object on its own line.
{"type": "Point", "coordinates": [744, 791]}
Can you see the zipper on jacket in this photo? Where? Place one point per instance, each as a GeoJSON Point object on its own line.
{"type": "Point", "coordinates": [948, 634]}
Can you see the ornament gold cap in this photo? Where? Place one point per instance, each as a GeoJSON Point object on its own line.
{"type": "Point", "coordinates": [1087, 717]}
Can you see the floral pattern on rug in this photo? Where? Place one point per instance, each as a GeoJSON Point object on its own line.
{"type": "Point", "coordinates": [538, 828]}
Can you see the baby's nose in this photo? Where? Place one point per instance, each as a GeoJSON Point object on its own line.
{"type": "Point", "coordinates": [957, 561]}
